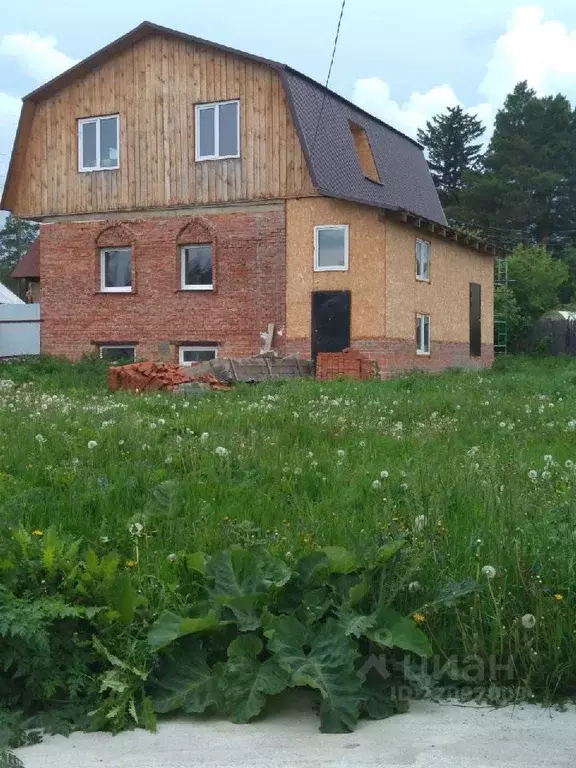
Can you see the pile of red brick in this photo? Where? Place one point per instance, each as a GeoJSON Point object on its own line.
{"type": "Point", "coordinates": [155, 376]}
{"type": "Point", "coordinates": [349, 363]}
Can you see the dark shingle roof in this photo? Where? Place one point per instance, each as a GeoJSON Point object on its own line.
{"type": "Point", "coordinates": [321, 117]}
{"type": "Point", "coordinates": [29, 264]}
{"type": "Point", "coordinates": [323, 121]}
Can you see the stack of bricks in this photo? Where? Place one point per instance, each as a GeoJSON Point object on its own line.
{"type": "Point", "coordinates": [350, 363]}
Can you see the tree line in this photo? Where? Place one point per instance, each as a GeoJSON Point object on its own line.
{"type": "Point", "coordinates": [518, 193]}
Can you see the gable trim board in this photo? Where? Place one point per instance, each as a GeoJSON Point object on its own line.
{"type": "Point", "coordinates": [321, 118]}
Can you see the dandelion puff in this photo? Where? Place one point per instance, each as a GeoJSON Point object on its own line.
{"type": "Point", "coordinates": [528, 621]}
{"type": "Point", "coordinates": [341, 453]}
{"type": "Point", "coordinates": [135, 529]}
{"type": "Point", "coordinates": [221, 451]}
{"type": "Point", "coordinates": [546, 475]}
{"type": "Point", "coordinates": [384, 474]}
{"type": "Point", "coordinates": [569, 464]}
{"type": "Point", "coordinates": [414, 586]}
{"type": "Point", "coordinates": [92, 444]}
{"type": "Point", "coordinates": [172, 557]}
{"type": "Point", "coordinates": [489, 571]}
{"type": "Point", "coordinates": [533, 475]}
{"type": "Point", "coordinates": [40, 439]}
{"type": "Point", "coordinates": [376, 484]}
{"type": "Point", "coordinates": [204, 436]}
{"type": "Point", "coordinates": [548, 458]}
{"type": "Point", "coordinates": [404, 486]}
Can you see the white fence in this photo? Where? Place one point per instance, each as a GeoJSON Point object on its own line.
{"type": "Point", "coordinates": [19, 329]}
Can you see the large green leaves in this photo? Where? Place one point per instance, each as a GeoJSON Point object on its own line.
{"type": "Point", "coordinates": [170, 627]}
{"type": "Point", "coordinates": [246, 680]}
{"type": "Point", "coordinates": [392, 630]}
{"type": "Point", "coordinates": [185, 682]}
{"type": "Point", "coordinates": [320, 657]}
{"type": "Point", "coordinates": [243, 581]}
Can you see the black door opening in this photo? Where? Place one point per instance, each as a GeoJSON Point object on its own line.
{"type": "Point", "coordinates": [330, 321]}
{"type": "Point", "coordinates": [475, 320]}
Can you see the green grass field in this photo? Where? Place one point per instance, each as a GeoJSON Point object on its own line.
{"type": "Point", "coordinates": [475, 469]}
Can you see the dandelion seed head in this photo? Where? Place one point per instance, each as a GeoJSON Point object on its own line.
{"type": "Point", "coordinates": [489, 571]}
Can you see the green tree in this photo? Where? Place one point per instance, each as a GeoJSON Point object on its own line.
{"type": "Point", "coordinates": [527, 191]}
{"type": "Point", "coordinates": [536, 279]}
{"type": "Point", "coordinates": [453, 150]}
{"type": "Point", "coordinates": [15, 238]}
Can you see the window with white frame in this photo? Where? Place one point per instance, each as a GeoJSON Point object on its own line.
{"type": "Point", "coordinates": [218, 130]}
{"type": "Point", "coordinates": [188, 355]}
{"type": "Point", "coordinates": [196, 267]}
{"type": "Point", "coordinates": [331, 248]}
{"type": "Point", "coordinates": [118, 353]}
{"type": "Point", "coordinates": [422, 260]}
{"type": "Point", "coordinates": [98, 143]}
{"type": "Point", "coordinates": [116, 270]}
{"type": "Point", "coordinates": [423, 334]}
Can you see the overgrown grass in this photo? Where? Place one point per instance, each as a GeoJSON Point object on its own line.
{"type": "Point", "coordinates": [475, 468]}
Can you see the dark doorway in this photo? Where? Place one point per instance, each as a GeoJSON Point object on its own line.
{"type": "Point", "coordinates": [330, 321]}
{"type": "Point", "coordinates": [475, 320]}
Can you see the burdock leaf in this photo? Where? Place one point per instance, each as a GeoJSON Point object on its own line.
{"type": "Point", "coordinates": [169, 627]}
{"type": "Point", "coordinates": [321, 657]}
{"type": "Point", "coordinates": [392, 630]}
{"type": "Point", "coordinates": [185, 682]}
{"type": "Point", "coordinates": [247, 681]}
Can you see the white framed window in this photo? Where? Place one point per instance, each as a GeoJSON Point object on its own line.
{"type": "Point", "coordinates": [118, 353]}
{"type": "Point", "coordinates": [218, 130]}
{"type": "Point", "coordinates": [331, 248]}
{"type": "Point", "coordinates": [422, 334]}
{"type": "Point", "coordinates": [422, 260]}
{"type": "Point", "coordinates": [196, 267]}
{"type": "Point", "coordinates": [99, 143]}
{"type": "Point", "coordinates": [188, 355]}
{"type": "Point", "coordinates": [116, 270]}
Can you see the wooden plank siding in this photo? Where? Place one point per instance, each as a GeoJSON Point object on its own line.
{"type": "Point", "coordinates": [154, 87]}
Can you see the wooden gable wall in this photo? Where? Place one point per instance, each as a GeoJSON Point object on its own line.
{"type": "Point", "coordinates": [154, 86]}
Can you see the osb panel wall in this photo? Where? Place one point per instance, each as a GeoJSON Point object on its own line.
{"type": "Point", "coordinates": [366, 265]}
{"type": "Point", "coordinates": [154, 86]}
{"type": "Point", "coordinates": [446, 298]}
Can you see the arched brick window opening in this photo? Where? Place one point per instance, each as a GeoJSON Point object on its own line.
{"type": "Point", "coordinates": [196, 246]}
{"type": "Point", "coordinates": [115, 260]}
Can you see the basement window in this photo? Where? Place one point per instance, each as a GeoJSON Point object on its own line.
{"type": "Point", "coordinates": [98, 143]}
{"type": "Point", "coordinates": [422, 260]}
{"type": "Point", "coordinates": [218, 130]}
{"type": "Point", "coordinates": [364, 152]}
{"type": "Point", "coordinates": [196, 268]}
{"type": "Point", "coordinates": [118, 353]}
{"type": "Point", "coordinates": [331, 248]}
{"type": "Point", "coordinates": [116, 270]}
{"type": "Point", "coordinates": [196, 354]}
{"type": "Point", "coordinates": [422, 334]}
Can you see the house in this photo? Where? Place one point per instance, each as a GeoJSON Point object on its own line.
{"type": "Point", "coordinates": [28, 272]}
{"type": "Point", "coordinates": [190, 195]}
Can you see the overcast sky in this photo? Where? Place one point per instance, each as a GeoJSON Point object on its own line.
{"type": "Point", "coordinates": [403, 61]}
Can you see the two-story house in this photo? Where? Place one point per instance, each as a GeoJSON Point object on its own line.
{"type": "Point", "coordinates": [190, 195]}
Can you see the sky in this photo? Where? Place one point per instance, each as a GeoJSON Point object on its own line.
{"type": "Point", "coordinates": [404, 62]}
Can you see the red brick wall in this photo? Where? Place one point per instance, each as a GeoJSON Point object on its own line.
{"type": "Point", "coordinates": [396, 355]}
{"type": "Point", "coordinates": [349, 363]}
{"type": "Point", "coordinates": [249, 284]}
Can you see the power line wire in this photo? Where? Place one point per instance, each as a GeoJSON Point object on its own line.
{"type": "Point", "coordinates": [336, 38]}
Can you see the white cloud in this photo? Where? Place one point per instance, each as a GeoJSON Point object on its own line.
{"type": "Point", "coordinates": [36, 55]}
{"type": "Point", "coordinates": [541, 51]}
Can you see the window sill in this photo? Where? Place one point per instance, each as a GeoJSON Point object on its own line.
{"type": "Point", "coordinates": [114, 293]}
{"type": "Point", "coordinates": [422, 354]}
{"type": "Point", "coordinates": [422, 279]}
{"type": "Point", "coordinates": [191, 288]}
{"type": "Point", "coordinates": [97, 170]}
{"type": "Point", "coordinates": [330, 269]}
{"type": "Point", "coordinates": [217, 157]}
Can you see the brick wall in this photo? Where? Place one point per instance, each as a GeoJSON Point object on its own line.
{"type": "Point", "coordinates": [349, 363]}
{"type": "Point", "coordinates": [396, 355]}
{"type": "Point", "coordinates": [248, 274]}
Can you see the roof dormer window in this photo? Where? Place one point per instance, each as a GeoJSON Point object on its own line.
{"type": "Point", "coordinates": [364, 152]}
